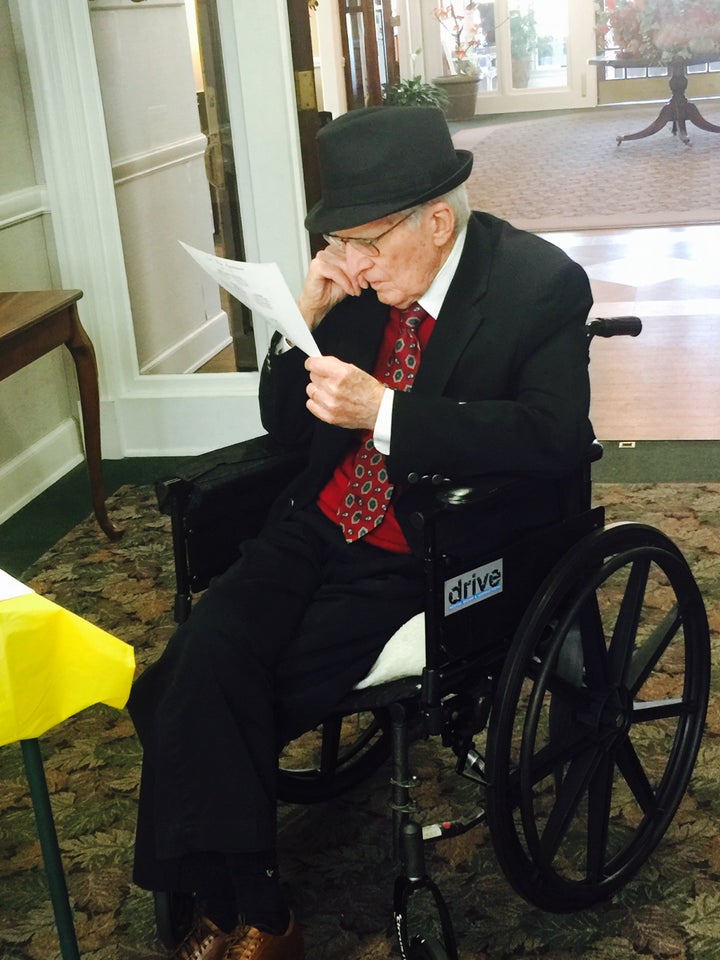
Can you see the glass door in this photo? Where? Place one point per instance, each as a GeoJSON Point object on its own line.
{"type": "Point", "coordinates": [530, 54]}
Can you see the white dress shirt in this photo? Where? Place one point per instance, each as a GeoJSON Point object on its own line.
{"type": "Point", "coordinates": [431, 301]}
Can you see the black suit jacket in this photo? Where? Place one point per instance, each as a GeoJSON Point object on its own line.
{"type": "Point", "coordinates": [503, 385]}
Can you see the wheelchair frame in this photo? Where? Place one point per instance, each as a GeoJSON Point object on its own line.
{"type": "Point", "coordinates": [560, 685]}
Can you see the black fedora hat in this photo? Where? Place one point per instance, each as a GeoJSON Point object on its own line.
{"type": "Point", "coordinates": [379, 160]}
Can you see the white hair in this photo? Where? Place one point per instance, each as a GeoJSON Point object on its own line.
{"type": "Point", "coordinates": [457, 200]}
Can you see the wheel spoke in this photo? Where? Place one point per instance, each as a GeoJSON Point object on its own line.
{"type": "Point", "coordinates": [557, 753]}
{"type": "Point", "coordinates": [628, 619]}
{"type": "Point", "coordinates": [646, 656]}
{"type": "Point", "coordinates": [599, 799]}
{"type": "Point", "coordinates": [671, 708]}
{"type": "Point", "coordinates": [569, 795]}
{"type": "Point", "coordinates": [593, 642]}
{"type": "Point", "coordinates": [630, 766]}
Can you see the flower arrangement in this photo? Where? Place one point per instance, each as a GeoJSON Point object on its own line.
{"type": "Point", "coordinates": [467, 36]}
{"type": "Point", "coordinates": [661, 31]}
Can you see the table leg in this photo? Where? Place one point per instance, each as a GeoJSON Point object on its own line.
{"type": "Point", "coordinates": [694, 116]}
{"type": "Point", "coordinates": [678, 110]}
{"type": "Point", "coordinates": [664, 117]}
{"type": "Point", "coordinates": [83, 355]}
{"type": "Point", "coordinates": [50, 849]}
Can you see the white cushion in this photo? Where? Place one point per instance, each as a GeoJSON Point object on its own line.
{"type": "Point", "coordinates": [402, 656]}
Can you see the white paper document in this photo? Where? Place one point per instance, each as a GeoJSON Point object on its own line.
{"type": "Point", "coordinates": [262, 288]}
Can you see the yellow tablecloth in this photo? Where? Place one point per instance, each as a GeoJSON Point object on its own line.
{"type": "Point", "coordinates": [53, 664]}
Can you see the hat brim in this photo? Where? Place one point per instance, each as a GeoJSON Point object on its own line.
{"type": "Point", "coordinates": [325, 219]}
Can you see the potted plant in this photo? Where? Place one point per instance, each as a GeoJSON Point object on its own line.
{"type": "Point", "coordinates": [461, 85]}
{"type": "Point", "coordinates": [523, 44]}
{"type": "Point", "coordinates": [415, 92]}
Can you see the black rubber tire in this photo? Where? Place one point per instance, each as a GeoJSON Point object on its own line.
{"type": "Point", "coordinates": [598, 718]}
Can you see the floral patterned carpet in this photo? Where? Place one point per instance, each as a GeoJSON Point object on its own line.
{"type": "Point", "coordinates": [336, 856]}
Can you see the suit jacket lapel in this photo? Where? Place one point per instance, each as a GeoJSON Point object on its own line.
{"type": "Point", "coordinates": [461, 313]}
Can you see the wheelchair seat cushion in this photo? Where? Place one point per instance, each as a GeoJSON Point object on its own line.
{"type": "Point", "coordinates": [402, 656]}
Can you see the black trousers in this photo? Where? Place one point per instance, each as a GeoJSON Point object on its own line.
{"type": "Point", "coordinates": [272, 646]}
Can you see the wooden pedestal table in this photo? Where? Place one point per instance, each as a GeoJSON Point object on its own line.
{"type": "Point", "coordinates": [678, 111]}
{"type": "Point", "coordinates": [52, 664]}
{"type": "Point", "coordinates": [32, 323]}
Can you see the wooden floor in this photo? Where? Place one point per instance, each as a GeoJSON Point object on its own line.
{"type": "Point", "coordinates": [664, 384]}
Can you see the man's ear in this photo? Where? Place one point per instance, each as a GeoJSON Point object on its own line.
{"type": "Point", "coordinates": [443, 220]}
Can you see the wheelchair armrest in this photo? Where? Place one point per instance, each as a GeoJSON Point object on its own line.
{"type": "Point", "coordinates": [241, 468]}
{"type": "Point", "coordinates": [499, 506]}
{"type": "Point", "coordinates": [451, 496]}
{"type": "Point", "coordinates": [476, 495]}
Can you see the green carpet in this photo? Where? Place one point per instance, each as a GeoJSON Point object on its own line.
{"type": "Point", "coordinates": [336, 857]}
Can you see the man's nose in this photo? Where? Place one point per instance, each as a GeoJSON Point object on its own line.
{"type": "Point", "coordinates": [356, 259]}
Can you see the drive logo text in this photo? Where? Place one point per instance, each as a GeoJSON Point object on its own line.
{"type": "Point", "coordinates": [473, 586]}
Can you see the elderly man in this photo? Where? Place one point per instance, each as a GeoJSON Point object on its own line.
{"type": "Point", "coordinates": [451, 343]}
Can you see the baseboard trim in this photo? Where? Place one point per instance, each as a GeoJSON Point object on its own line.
{"type": "Point", "coordinates": [190, 353]}
{"type": "Point", "coordinates": [39, 467]}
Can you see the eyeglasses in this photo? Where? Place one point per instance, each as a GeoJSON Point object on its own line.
{"type": "Point", "coordinates": [368, 247]}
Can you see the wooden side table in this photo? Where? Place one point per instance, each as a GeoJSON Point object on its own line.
{"type": "Point", "coordinates": [32, 323]}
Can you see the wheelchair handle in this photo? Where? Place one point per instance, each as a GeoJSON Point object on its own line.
{"type": "Point", "coordinates": [613, 327]}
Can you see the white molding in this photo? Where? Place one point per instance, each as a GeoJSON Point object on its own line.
{"type": "Point", "coordinates": [266, 140]}
{"type": "Point", "coordinates": [21, 205]}
{"type": "Point", "coordinates": [39, 467]}
{"type": "Point", "coordinates": [151, 161]}
{"type": "Point", "coordinates": [193, 350]}
{"type": "Point", "coordinates": [185, 426]}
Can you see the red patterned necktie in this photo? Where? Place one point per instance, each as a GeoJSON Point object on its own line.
{"type": "Point", "coordinates": [370, 490]}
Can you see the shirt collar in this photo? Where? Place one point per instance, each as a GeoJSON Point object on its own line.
{"type": "Point", "coordinates": [433, 298]}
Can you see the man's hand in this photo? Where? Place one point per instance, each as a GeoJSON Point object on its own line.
{"type": "Point", "coordinates": [329, 280]}
{"type": "Point", "coordinates": [342, 394]}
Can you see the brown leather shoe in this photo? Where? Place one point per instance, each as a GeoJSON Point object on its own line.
{"type": "Point", "coordinates": [249, 943]}
{"type": "Point", "coordinates": [204, 942]}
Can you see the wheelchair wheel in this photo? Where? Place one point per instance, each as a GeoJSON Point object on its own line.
{"type": "Point", "coordinates": [598, 718]}
{"type": "Point", "coordinates": [174, 914]}
{"type": "Point", "coordinates": [333, 758]}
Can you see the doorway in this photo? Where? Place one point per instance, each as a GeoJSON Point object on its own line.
{"type": "Point", "coordinates": [369, 43]}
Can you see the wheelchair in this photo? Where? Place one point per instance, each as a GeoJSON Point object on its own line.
{"type": "Point", "coordinates": [565, 662]}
